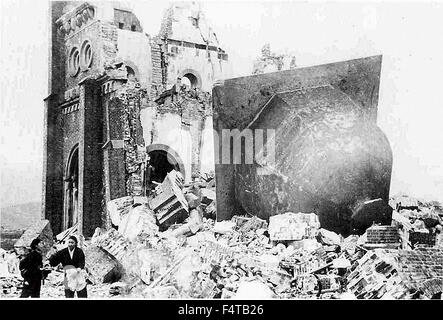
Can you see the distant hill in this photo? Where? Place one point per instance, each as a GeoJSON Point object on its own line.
{"type": "Point", "coordinates": [21, 216]}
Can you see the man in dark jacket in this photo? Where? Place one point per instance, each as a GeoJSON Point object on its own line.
{"type": "Point", "coordinates": [70, 257]}
{"type": "Point", "coordinates": [30, 269]}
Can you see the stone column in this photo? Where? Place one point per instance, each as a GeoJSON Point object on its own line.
{"type": "Point", "coordinates": [90, 159]}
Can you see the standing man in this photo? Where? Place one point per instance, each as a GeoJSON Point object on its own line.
{"type": "Point", "coordinates": [31, 270]}
{"type": "Point", "coordinates": [70, 257]}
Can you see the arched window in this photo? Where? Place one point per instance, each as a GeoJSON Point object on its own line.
{"type": "Point", "coordinates": [163, 160]}
{"type": "Point", "coordinates": [86, 55]}
{"type": "Point", "coordinates": [74, 62]}
{"type": "Point", "coordinates": [190, 80]}
{"type": "Point", "coordinates": [70, 215]}
{"type": "Point", "coordinates": [130, 74]}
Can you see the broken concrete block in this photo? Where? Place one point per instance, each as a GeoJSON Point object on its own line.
{"type": "Point", "coordinates": [253, 290]}
{"type": "Point", "coordinates": [118, 208]}
{"type": "Point", "coordinates": [253, 224]}
{"type": "Point", "coordinates": [341, 263]}
{"type": "Point", "coordinates": [114, 244]}
{"type": "Point", "coordinates": [42, 230]}
{"type": "Point", "coordinates": [328, 237]}
{"type": "Point", "coordinates": [101, 267]}
{"type": "Point", "coordinates": [382, 237]}
{"type": "Point", "coordinates": [422, 238]}
{"type": "Point", "coordinates": [207, 196]}
{"type": "Point", "coordinates": [293, 226]}
{"type": "Point", "coordinates": [193, 200]}
{"type": "Point", "coordinates": [169, 204]}
{"type": "Point", "coordinates": [223, 227]}
{"type": "Point", "coordinates": [139, 220]}
{"type": "Point", "coordinates": [432, 287]}
{"type": "Point", "coordinates": [269, 261]}
{"type": "Point", "coordinates": [200, 239]}
{"type": "Point", "coordinates": [210, 211]}
{"type": "Point", "coordinates": [240, 220]}
{"type": "Point", "coordinates": [194, 224]}
{"type": "Point", "coordinates": [215, 252]}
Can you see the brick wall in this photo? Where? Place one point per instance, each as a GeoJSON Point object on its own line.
{"type": "Point", "coordinates": [52, 176]}
{"type": "Point", "coordinates": [157, 73]}
{"type": "Point", "coordinates": [52, 184]}
{"type": "Point", "coordinates": [383, 235]}
{"type": "Point", "coordinates": [90, 158]}
{"type": "Point", "coordinates": [92, 34]}
{"type": "Point", "coordinates": [127, 19]}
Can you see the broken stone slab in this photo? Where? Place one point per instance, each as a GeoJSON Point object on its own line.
{"type": "Point", "coordinates": [327, 237]}
{"type": "Point", "coordinates": [293, 226]}
{"type": "Point", "coordinates": [210, 211]}
{"type": "Point", "coordinates": [169, 204]}
{"type": "Point", "coordinates": [101, 267]}
{"type": "Point", "coordinates": [139, 220]}
{"type": "Point", "coordinates": [114, 244]}
{"type": "Point", "coordinates": [207, 196]}
{"type": "Point", "coordinates": [194, 224]}
{"type": "Point", "coordinates": [382, 237]}
{"type": "Point", "coordinates": [216, 252]}
{"type": "Point", "coordinates": [42, 230]}
{"type": "Point", "coordinates": [341, 263]}
{"type": "Point", "coordinates": [431, 287]}
{"type": "Point", "coordinates": [223, 227]}
{"type": "Point", "coordinates": [117, 208]}
{"type": "Point", "coordinates": [422, 238]}
{"type": "Point", "coordinates": [193, 200]}
{"type": "Point", "coordinates": [253, 224]}
{"type": "Point", "coordinates": [253, 290]}
{"type": "Point", "coordinates": [200, 239]}
{"type": "Point", "coordinates": [240, 220]}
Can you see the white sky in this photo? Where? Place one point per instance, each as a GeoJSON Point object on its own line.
{"type": "Point", "coordinates": [409, 35]}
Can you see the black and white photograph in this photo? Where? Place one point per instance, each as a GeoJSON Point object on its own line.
{"type": "Point", "coordinates": [221, 150]}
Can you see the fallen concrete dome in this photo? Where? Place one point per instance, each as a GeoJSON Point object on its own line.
{"type": "Point", "coordinates": [329, 155]}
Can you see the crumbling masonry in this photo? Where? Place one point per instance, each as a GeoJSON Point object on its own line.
{"type": "Point", "coordinates": [117, 98]}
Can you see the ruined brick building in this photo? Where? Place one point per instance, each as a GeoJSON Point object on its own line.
{"type": "Point", "coordinates": [119, 97]}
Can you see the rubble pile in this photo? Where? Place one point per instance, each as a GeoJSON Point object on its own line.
{"type": "Point", "coordinates": [170, 246]}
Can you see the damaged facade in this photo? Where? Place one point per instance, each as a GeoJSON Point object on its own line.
{"type": "Point", "coordinates": [124, 108]}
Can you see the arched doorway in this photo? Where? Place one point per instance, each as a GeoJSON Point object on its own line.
{"type": "Point", "coordinates": [191, 78]}
{"type": "Point", "coordinates": [70, 210]}
{"type": "Point", "coordinates": [162, 160]}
